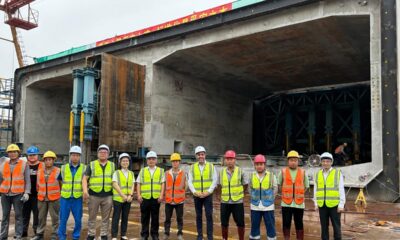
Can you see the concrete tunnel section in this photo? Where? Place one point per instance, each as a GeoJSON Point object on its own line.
{"type": "Point", "coordinates": [200, 88]}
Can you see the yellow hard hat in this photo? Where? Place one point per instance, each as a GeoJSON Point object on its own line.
{"type": "Point", "coordinates": [175, 157]}
{"type": "Point", "coordinates": [49, 154]}
{"type": "Point", "coordinates": [12, 148]}
{"type": "Point", "coordinates": [293, 154]}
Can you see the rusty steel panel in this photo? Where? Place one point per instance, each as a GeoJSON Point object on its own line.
{"type": "Point", "coordinates": [121, 117]}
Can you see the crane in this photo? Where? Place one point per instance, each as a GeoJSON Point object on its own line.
{"type": "Point", "coordinates": [15, 18]}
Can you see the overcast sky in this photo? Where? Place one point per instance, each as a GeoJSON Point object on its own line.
{"type": "Point", "coordinates": [70, 23]}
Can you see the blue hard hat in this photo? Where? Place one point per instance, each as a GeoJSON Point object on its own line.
{"type": "Point", "coordinates": [32, 150]}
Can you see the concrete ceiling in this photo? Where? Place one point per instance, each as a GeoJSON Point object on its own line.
{"type": "Point", "coordinates": [327, 51]}
{"type": "Point", "coordinates": [59, 82]}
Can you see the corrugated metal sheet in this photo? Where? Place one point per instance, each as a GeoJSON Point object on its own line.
{"type": "Point", "coordinates": [121, 104]}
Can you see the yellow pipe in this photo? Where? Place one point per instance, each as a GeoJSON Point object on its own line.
{"type": "Point", "coordinates": [71, 127]}
{"type": "Point", "coordinates": [82, 126]}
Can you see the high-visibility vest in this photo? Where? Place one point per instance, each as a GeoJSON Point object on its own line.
{"type": "Point", "coordinates": [99, 178]}
{"type": "Point", "coordinates": [202, 182]}
{"type": "Point", "coordinates": [262, 191]}
{"type": "Point", "coordinates": [175, 188]}
{"type": "Point", "coordinates": [14, 181]}
{"type": "Point", "coordinates": [72, 185]}
{"type": "Point", "coordinates": [150, 186]}
{"type": "Point", "coordinates": [233, 188]}
{"type": "Point", "coordinates": [125, 184]}
{"type": "Point", "coordinates": [49, 188]}
{"type": "Point", "coordinates": [328, 190]}
{"type": "Point", "coordinates": [293, 190]}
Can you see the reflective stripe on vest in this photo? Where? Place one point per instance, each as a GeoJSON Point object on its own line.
{"type": "Point", "coordinates": [233, 188]}
{"type": "Point", "coordinates": [175, 189]}
{"type": "Point", "coordinates": [72, 185]}
{"type": "Point", "coordinates": [262, 191]}
{"type": "Point", "coordinates": [99, 178]}
{"type": "Point", "coordinates": [328, 191]}
{"type": "Point", "coordinates": [202, 181]}
{"type": "Point", "coordinates": [14, 181]}
{"type": "Point", "coordinates": [49, 188]}
{"type": "Point", "coordinates": [293, 190]}
{"type": "Point", "coordinates": [150, 186]}
{"type": "Point", "coordinates": [124, 184]}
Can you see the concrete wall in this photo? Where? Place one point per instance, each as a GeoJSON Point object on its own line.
{"type": "Point", "coordinates": [196, 112]}
{"type": "Point", "coordinates": [47, 112]}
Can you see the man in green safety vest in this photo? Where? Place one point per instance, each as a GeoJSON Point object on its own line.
{"type": "Point", "coordinates": [71, 193]}
{"type": "Point", "coordinates": [233, 182]}
{"type": "Point", "coordinates": [150, 192]}
{"type": "Point", "coordinates": [329, 196]}
{"type": "Point", "coordinates": [99, 176]}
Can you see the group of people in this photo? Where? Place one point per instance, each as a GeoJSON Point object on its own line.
{"type": "Point", "coordinates": [40, 188]}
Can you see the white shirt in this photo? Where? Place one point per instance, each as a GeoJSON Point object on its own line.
{"type": "Point", "coordinates": [342, 194]}
{"type": "Point", "coordinates": [260, 206]}
{"type": "Point", "coordinates": [125, 172]}
{"type": "Point", "coordinates": [213, 184]}
{"type": "Point", "coordinates": [152, 170]}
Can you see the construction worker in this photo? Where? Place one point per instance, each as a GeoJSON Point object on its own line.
{"type": "Point", "coordinates": [99, 193]}
{"type": "Point", "coordinates": [233, 182]}
{"type": "Point", "coordinates": [49, 193]}
{"type": "Point", "coordinates": [263, 188]}
{"type": "Point", "coordinates": [294, 182]}
{"type": "Point", "coordinates": [15, 187]}
{"type": "Point", "coordinates": [123, 189]}
{"type": "Point", "coordinates": [329, 196]}
{"type": "Point", "coordinates": [30, 206]}
{"type": "Point", "coordinates": [175, 188]}
{"type": "Point", "coordinates": [202, 180]}
{"type": "Point", "coordinates": [71, 193]}
{"type": "Point", "coordinates": [150, 193]}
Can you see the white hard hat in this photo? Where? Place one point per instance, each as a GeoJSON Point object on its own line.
{"type": "Point", "coordinates": [123, 155]}
{"type": "Point", "coordinates": [151, 154]}
{"type": "Point", "coordinates": [75, 149]}
{"type": "Point", "coordinates": [199, 149]}
{"type": "Point", "coordinates": [326, 155]}
{"type": "Point", "coordinates": [103, 146]}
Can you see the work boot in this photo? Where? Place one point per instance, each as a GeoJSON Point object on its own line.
{"type": "Point", "coordinates": [224, 233]}
{"type": "Point", "coordinates": [104, 237]}
{"type": "Point", "coordinates": [124, 238]}
{"type": "Point", "coordinates": [90, 237]}
{"type": "Point", "coordinates": [241, 232]}
{"type": "Point", "coordinates": [300, 234]}
{"type": "Point", "coordinates": [166, 237]}
{"type": "Point", "coordinates": [286, 234]}
{"type": "Point", "coordinates": [180, 237]}
{"type": "Point", "coordinates": [38, 237]}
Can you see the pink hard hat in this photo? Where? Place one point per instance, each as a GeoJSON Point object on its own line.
{"type": "Point", "coordinates": [259, 158]}
{"type": "Point", "coordinates": [230, 154]}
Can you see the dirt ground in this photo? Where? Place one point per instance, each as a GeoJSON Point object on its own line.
{"type": "Point", "coordinates": [356, 223]}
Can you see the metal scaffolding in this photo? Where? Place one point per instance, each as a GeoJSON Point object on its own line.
{"type": "Point", "coordinates": [6, 107]}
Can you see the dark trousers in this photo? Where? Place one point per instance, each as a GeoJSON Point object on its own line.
{"type": "Point", "coordinates": [169, 208]}
{"type": "Point", "coordinates": [6, 203]}
{"type": "Point", "coordinates": [29, 207]}
{"type": "Point", "coordinates": [296, 213]}
{"type": "Point", "coordinates": [121, 210]}
{"type": "Point", "coordinates": [208, 207]}
{"type": "Point", "coordinates": [149, 208]}
{"type": "Point", "coordinates": [325, 214]}
{"type": "Point", "coordinates": [237, 210]}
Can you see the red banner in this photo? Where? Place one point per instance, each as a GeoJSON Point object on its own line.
{"type": "Point", "coordinates": [179, 21]}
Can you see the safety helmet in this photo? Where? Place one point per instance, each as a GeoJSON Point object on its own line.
{"type": "Point", "coordinates": [326, 155]}
{"type": "Point", "coordinates": [32, 150]}
{"type": "Point", "coordinates": [151, 154]}
{"type": "Point", "coordinates": [175, 157]}
{"type": "Point", "coordinates": [123, 155]}
{"type": "Point", "coordinates": [49, 154]}
{"type": "Point", "coordinates": [293, 154]}
{"type": "Point", "coordinates": [230, 154]}
{"type": "Point", "coordinates": [12, 148]}
{"type": "Point", "coordinates": [75, 149]}
{"type": "Point", "coordinates": [103, 146]}
{"type": "Point", "coordinates": [259, 158]}
{"type": "Point", "coordinates": [199, 149]}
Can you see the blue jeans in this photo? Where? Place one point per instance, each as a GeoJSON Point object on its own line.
{"type": "Point", "coordinates": [207, 202]}
{"type": "Point", "coordinates": [68, 205]}
{"type": "Point", "coordinates": [269, 221]}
